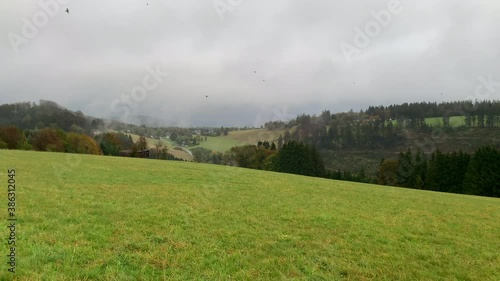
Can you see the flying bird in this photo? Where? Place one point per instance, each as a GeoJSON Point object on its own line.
{"type": "Point", "coordinates": [67, 10]}
{"type": "Point", "coordinates": [206, 96]}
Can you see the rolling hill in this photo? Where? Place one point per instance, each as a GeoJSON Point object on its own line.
{"type": "Point", "coordinates": [84, 217]}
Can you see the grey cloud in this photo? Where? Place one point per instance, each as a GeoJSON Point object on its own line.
{"type": "Point", "coordinates": [87, 59]}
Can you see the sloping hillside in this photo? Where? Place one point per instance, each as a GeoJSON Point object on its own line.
{"type": "Point", "coordinates": [109, 218]}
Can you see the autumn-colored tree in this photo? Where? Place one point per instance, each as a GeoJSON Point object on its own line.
{"type": "Point", "coordinates": [247, 156]}
{"type": "Point", "coordinates": [81, 143]}
{"type": "Point", "coordinates": [110, 143]}
{"type": "Point", "coordinates": [49, 139]}
{"type": "Point", "coordinates": [12, 136]}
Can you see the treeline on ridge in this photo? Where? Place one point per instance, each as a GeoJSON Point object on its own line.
{"type": "Point", "coordinates": [385, 126]}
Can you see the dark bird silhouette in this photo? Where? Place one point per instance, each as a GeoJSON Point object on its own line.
{"type": "Point", "coordinates": [254, 71]}
{"type": "Point", "coordinates": [206, 96]}
{"type": "Point", "coordinates": [67, 10]}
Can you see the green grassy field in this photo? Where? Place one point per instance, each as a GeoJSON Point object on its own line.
{"type": "Point", "coordinates": [255, 135]}
{"type": "Point", "coordinates": [242, 137]}
{"type": "Point", "coordinates": [220, 144]}
{"type": "Point", "coordinates": [455, 121]}
{"type": "Point", "coordinates": [108, 218]}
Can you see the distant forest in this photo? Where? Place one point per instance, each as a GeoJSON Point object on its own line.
{"type": "Point", "coordinates": [49, 127]}
{"type": "Point", "coordinates": [32, 116]}
{"type": "Point", "coordinates": [385, 127]}
{"type": "Point", "coordinates": [375, 128]}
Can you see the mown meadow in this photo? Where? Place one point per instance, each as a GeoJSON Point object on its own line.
{"type": "Point", "coordinates": [83, 217]}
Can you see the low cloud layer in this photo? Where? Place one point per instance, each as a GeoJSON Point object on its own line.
{"type": "Point", "coordinates": [237, 63]}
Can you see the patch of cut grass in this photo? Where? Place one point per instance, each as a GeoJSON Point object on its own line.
{"type": "Point", "coordinates": [219, 144]}
{"type": "Point", "coordinates": [242, 137]}
{"type": "Point", "coordinates": [86, 217]}
{"type": "Point", "coordinates": [455, 121]}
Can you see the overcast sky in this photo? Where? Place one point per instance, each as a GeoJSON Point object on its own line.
{"type": "Point", "coordinates": [256, 60]}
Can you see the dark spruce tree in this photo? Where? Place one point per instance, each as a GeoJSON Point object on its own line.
{"type": "Point", "coordinates": [446, 172]}
{"type": "Point", "coordinates": [483, 176]}
{"type": "Point", "coordinates": [299, 158]}
{"type": "Point", "coordinates": [412, 169]}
